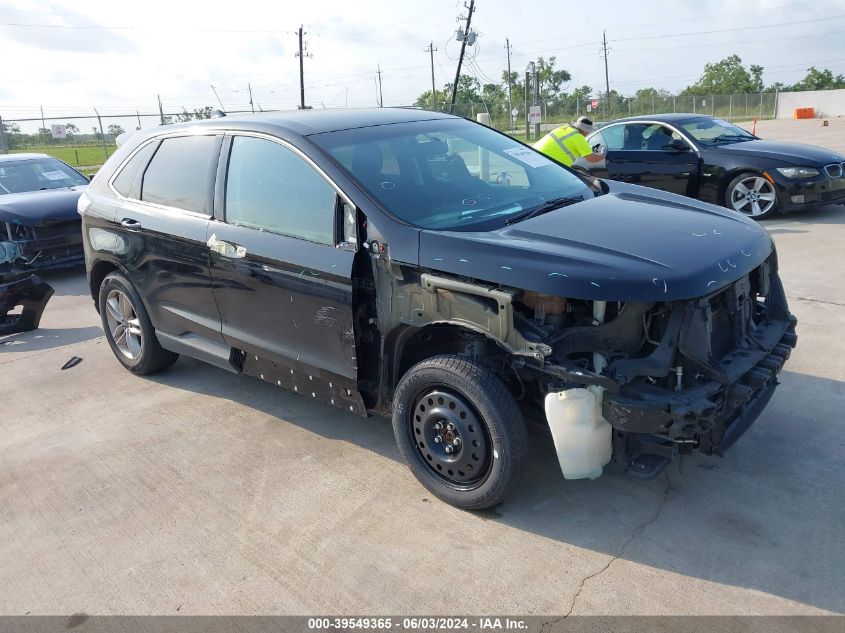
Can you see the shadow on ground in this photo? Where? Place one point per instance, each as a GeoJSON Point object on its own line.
{"type": "Point", "coordinates": [753, 519]}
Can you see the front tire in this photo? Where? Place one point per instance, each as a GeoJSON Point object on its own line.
{"type": "Point", "coordinates": [128, 329]}
{"type": "Point", "coordinates": [752, 195]}
{"type": "Point", "coordinates": [460, 431]}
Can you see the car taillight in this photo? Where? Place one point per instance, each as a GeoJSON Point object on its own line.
{"type": "Point", "coordinates": [83, 203]}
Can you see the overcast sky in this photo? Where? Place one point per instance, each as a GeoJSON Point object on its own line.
{"type": "Point", "coordinates": [117, 56]}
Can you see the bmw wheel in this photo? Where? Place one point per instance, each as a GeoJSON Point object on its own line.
{"type": "Point", "coordinates": [128, 329]}
{"type": "Point", "coordinates": [752, 195]}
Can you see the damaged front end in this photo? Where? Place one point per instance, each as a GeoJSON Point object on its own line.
{"type": "Point", "coordinates": [671, 377]}
{"type": "Point", "coordinates": [22, 303]}
{"type": "Point", "coordinates": [48, 244]}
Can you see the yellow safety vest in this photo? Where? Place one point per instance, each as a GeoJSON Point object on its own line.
{"type": "Point", "coordinates": [564, 144]}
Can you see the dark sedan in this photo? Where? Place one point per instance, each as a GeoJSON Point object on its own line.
{"type": "Point", "coordinates": [715, 161]}
{"type": "Point", "coordinates": [39, 225]}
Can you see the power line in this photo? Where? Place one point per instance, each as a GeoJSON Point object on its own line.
{"type": "Point", "coordinates": [710, 44]}
{"type": "Point", "coordinates": [731, 30]}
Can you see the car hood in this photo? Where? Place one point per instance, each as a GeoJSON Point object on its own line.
{"type": "Point", "coordinates": [631, 244]}
{"type": "Point", "coordinates": [36, 207]}
{"type": "Point", "coordinates": [793, 153]}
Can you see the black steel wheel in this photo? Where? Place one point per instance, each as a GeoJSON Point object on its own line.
{"type": "Point", "coordinates": [452, 437]}
{"type": "Point", "coordinates": [460, 431]}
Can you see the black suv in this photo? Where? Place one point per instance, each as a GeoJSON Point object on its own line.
{"type": "Point", "coordinates": [423, 266]}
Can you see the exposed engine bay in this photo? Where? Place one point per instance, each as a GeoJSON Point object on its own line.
{"type": "Point", "coordinates": [668, 377]}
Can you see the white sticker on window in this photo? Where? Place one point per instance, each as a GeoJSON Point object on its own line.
{"type": "Point", "coordinates": [528, 156]}
{"type": "Point", "coordinates": [55, 175]}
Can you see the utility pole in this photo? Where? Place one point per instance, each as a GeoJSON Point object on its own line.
{"type": "Point", "coordinates": [510, 91]}
{"type": "Point", "coordinates": [3, 147]}
{"type": "Point", "coordinates": [431, 50]}
{"type": "Point", "coordinates": [466, 37]}
{"type": "Point", "coordinates": [380, 97]}
{"type": "Point", "coordinates": [160, 109]}
{"type": "Point", "coordinates": [527, 89]}
{"type": "Point", "coordinates": [249, 87]}
{"type": "Point", "coordinates": [606, 77]}
{"type": "Point", "coordinates": [301, 54]}
{"type": "Point", "coordinates": [138, 114]}
{"type": "Point", "coordinates": [218, 99]}
{"type": "Point", "coordinates": [43, 124]}
{"type": "Point", "coordinates": [536, 96]}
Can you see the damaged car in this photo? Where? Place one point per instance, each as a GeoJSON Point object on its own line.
{"type": "Point", "coordinates": [429, 269]}
{"type": "Point", "coordinates": [39, 225]}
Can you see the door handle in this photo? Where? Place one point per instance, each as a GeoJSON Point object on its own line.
{"type": "Point", "coordinates": [226, 249]}
{"type": "Point", "coordinates": [130, 225]}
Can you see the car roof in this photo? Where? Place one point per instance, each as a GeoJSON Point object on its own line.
{"type": "Point", "coordinates": [7, 158]}
{"type": "Point", "coordinates": [307, 122]}
{"type": "Point", "coordinates": [672, 117]}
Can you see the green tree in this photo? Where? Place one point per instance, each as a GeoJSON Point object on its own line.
{"type": "Point", "coordinates": [517, 89]}
{"type": "Point", "coordinates": [468, 90]}
{"type": "Point", "coordinates": [819, 80]}
{"type": "Point", "coordinates": [115, 130]}
{"type": "Point", "coordinates": [727, 76]}
{"type": "Point", "coordinates": [203, 113]}
{"type": "Point", "coordinates": [495, 98]}
{"type": "Point", "coordinates": [551, 80]}
{"type": "Point", "coordinates": [424, 100]}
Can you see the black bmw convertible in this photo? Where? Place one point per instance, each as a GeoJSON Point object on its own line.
{"type": "Point", "coordinates": [716, 161]}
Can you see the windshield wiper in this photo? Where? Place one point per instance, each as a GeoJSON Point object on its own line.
{"type": "Point", "coordinates": [549, 205]}
{"type": "Point", "coordinates": [733, 137]}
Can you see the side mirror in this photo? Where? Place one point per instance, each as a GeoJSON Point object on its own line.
{"type": "Point", "coordinates": [678, 145]}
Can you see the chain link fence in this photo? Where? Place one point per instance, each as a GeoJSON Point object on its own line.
{"type": "Point", "coordinates": [82, 141]}
{"type": "Point", "coordinates": [733, 107]}
{"type": "Point", "coordinates": [86, 141]}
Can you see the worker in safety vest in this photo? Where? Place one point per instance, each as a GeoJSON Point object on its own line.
{"type": "Point", "coordinates": [566, 143]}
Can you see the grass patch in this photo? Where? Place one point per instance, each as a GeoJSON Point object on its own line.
{"type": "Point", "coordinates": [86, 156]}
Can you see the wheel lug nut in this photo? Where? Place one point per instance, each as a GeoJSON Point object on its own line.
{"type": "Point", "coordinates": [450, 427]}
{"type": "Point", "coordinates": [438, 426]}
{"type": "Point", "coordinates": [449, 449]}
{"type": "Point", "coordinates": [437, 439]}
{"type": "Point", "coordinates": [456, 441]}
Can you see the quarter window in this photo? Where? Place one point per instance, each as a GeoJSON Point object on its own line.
{"type": "Point", "coordinates": [128, 177]}
{"type": "Point", "coordinates": [269, 187]}
{"type": "Point", "coordinates": [180, 173]}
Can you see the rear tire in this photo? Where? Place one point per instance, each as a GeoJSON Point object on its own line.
{"type": "Point", "coordinates": [460, 431]}
{"type": "Point", "coordinates": [128, 329]}
{"type": "Point", "coordinates": [752, 195]}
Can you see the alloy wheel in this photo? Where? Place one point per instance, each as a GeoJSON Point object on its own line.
{"type": "Point", "coordinates": [753, 196]}
{"type": "Point", "coordinates": [124, 326]}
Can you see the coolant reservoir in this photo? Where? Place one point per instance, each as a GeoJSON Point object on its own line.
{"type": "Point", "coordinates": [582, 436]}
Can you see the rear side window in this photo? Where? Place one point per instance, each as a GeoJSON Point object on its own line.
{"type": "Point", "coordinates": [271, 188]}
{"type": "Point", "coordinates": [180, 173]}
{"type": "Point", "coordinates": [126, 181]}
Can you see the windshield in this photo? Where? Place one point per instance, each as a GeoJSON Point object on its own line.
{"type": "Point", "coordinates": [449, 173]}
{"type": "Point", "coordinates": [34, 174]}
{"type": "Point", "coordinates": [715, 131]}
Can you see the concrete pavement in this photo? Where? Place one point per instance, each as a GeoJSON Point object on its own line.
{"type": "Point", "coordinates": [197, 492]}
